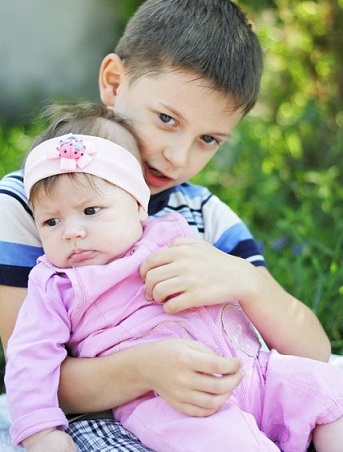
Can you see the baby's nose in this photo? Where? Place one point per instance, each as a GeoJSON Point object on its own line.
{"type": "Point", "coordinates": [74, 231]}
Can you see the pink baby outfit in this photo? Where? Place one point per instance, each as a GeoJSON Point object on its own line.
{"type": "Point", "coordinates": [98, 310]}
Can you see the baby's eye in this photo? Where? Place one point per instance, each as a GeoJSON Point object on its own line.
{"type": "Point", "coordinates": [208, 139]}
{"type": "Point", "coordinates": [91, 210]}
{"type": "Point", "coordinates": [166, 119]}
{"type": "Point", "coordinates": [51, 222]}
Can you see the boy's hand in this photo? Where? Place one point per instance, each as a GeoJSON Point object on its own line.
{"type": "Point", "coordinates": [189, 376]}
{"type": "Point", "coordinates": [50, 440]}
{"type": "Point", "coordinates": [193, 273]}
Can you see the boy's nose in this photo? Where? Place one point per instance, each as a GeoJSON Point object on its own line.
{"type": "Point", "coordinates": [177, 154]}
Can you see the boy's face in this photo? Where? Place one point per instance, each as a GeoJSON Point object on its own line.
{"type": "Point", "coordinates": [81, 224]}
{"type": "Point", "coordinates": [179, 120]}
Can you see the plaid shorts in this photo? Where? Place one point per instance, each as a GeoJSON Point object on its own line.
{"type": "Point", "coordinates": [103, 435]}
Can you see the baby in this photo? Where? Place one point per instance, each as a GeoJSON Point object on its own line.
{"type": "Point", "coordinates": [86, 297]}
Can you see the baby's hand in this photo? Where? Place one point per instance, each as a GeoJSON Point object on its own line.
{"type": "Point", "coordinates": [51, 440]}
{"type": "Point", "coordinates": [192, 273]}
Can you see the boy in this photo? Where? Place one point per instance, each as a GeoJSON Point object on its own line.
{"type": "Point", "coordinates": [89, 200]}
{"type": "Point", "coordinates": [185, 73]}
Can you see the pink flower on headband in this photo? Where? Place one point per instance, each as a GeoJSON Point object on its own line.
{"type": "Point", "coordinates": [72, 153]}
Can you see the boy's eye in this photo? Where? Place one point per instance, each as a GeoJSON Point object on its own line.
{"type": "Point", "coordinates": [208, 139]}
{"type": "Point", "coordinates": [52, 222]}
{"type": "Point", "coordinates": [166, 119]}
{"type": "Point", "coordinates": [91, 210]}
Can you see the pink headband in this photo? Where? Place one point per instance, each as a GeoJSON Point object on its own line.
{"type": "Point", "coordinates": [87, 154]}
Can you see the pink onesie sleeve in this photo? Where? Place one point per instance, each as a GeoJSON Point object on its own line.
{"type": "Point", "coordinates": [35, 352]}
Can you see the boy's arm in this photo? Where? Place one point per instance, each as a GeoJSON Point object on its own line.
{"type": "Point", "coordinates": [194, 273]}
{"type": "Point", "coordinates": [284, 322]}
{"type": "Point", "coordinates": [182, 372]}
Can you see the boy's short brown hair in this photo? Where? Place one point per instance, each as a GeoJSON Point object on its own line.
{"type": "Point", "coordinates": [212, 38]}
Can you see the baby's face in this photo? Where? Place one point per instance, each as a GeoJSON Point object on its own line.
{"type": "Point", "coordinates": [81, 224]}
{"type": "Point", "coordinates": [180, 122]}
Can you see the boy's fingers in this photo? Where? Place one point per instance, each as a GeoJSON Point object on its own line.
{"type": "Point", "coordinates": [205, 361]}
{"type": "Point", "coordinates": [155, 260]}
{"type": "Point", "coordinates": [185, 241]}
{"type": "Point", "coordinates": [200, 408]}
{"type": "Point", "coordinates": [212, 393]}
{"type": "Point", "coordinates": [164, 257]}
{"type": "Point", "coordinates": [178, 303]}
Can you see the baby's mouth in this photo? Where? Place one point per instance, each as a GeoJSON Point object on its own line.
{"type": "Point", "coordinates": [78, 255]}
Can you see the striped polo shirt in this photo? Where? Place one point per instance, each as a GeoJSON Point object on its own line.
{"type": "Point", "coordinates": [209, 218]}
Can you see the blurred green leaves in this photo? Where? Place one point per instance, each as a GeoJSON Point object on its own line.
{"type": "Point", "coordinates": [282, 170]}
{"type": "Point", "coordinates": [283, 167]}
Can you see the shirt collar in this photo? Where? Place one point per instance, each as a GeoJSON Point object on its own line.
{"type": "Point", "coordinates": [159, 201]}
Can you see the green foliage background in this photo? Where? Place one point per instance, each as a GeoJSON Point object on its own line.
{"type": "Point", "coordinates": [286, 175]}
{"type": "Point", "coordinates": [282, 170]}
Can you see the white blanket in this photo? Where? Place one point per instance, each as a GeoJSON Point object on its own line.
{"type": "Point", "coordinates": [5, 440]}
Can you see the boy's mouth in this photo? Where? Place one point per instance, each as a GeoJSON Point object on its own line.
{"type": "Point", "coordinates": [155, 178]}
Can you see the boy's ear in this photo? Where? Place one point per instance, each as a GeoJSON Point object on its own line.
{"type": "Point", "coordinates": [111, 71]}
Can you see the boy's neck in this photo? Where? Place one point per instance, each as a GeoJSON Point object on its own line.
{"type": "Point", "coordinates": [159, 201]}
